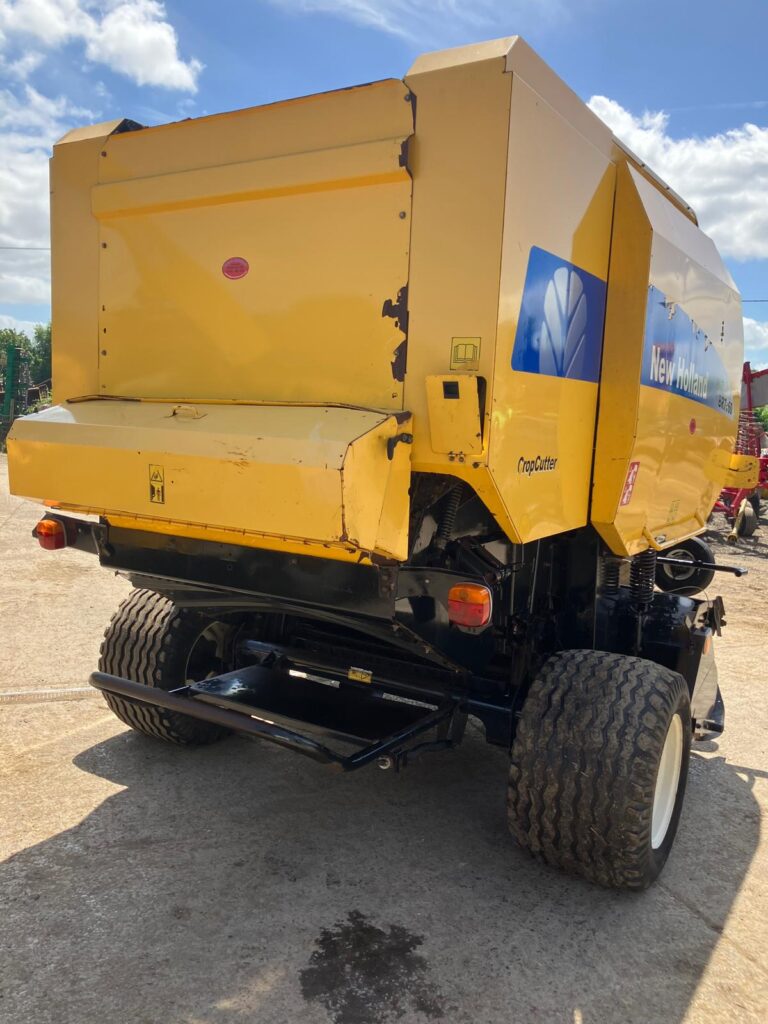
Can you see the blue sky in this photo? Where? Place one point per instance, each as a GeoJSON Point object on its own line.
{"type": "Point", "coordinates": [684, 82]}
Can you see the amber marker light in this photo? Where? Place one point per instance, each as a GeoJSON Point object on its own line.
{"type": "Point", "coordinates": [469, 604]}
{"type": "Point", "coordinates": [51, 534]}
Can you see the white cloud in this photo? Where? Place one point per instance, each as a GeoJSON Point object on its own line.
{"type": "Point", "coordinates": [21, 68]}
{"type": "Point", "coordinates": [51, 22]}
{"type": "Point", "coordinates": [25, 326]}
{"type": "Point", "coordinates": [756, 342]}
{"type": "Point", "coordinates": [724, 177]}
{"type": "Point", "coordinates": [132, 37]}
{"type": "Point", "coordinates": [135, 39]}
{"type": "Point", "coordinates": [29, 124]}
{"type": "Point", "coordinates": [431, 22]}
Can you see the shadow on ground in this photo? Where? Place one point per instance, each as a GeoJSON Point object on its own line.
{"type": "Point", "coordinates": [240, 883]}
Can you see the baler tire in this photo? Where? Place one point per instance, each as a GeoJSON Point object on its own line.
{"type": "Point", "coordinates": [149, 641]}
{"type": "Point", "coordinates": [672, 579]}
{"type": "Point", "coordinates": [585, 761]}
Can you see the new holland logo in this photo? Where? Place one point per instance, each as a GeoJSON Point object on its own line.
{"type": "Point", "coordinates": [560, 327]}
{"type": "Point", "coordinates": [564, 331]}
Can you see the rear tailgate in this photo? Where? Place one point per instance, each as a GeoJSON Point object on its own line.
{"type": "Point", "coordinates": [257, 255]}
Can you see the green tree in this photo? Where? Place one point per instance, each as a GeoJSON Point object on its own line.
{"type": "Point", "coordinates": [762, 415]}
{"type": "Point", "coordinates": [41, 354]}
{"type": "Point", "coordinates": [37, 348]}
{"type": "Point", "coordinates": [10, 336]}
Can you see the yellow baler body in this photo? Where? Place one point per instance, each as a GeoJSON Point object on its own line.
{"type": "Point", "coordinates": [464, 258]}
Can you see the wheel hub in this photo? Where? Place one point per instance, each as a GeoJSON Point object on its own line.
{"type": "Point", "coordinates": [678, 572]}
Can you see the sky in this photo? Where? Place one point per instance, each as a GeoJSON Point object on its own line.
{"type": "Point", "coordinates": [682, 82]}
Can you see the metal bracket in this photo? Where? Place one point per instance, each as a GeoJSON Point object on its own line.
{"type": "Point", "coordinates": [393, 442]}
{"type": "Point", "coordinates": [245, 721]}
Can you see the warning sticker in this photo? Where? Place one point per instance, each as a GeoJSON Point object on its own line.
{"type": "Point", "coordinates": [629, 483]}
{"type": "Point", "coordinates": [465, 353]}
{"type": "Point", "coordinates": [157, 484]}
{"type": "Point", "coordinates": [362, 675]}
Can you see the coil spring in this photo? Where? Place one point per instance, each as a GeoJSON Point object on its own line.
{"type": "Point", "coordinates": [448, 518]}
{"type": "Point", "coordinates": [642, 574]}
{"type": "Point", "coordinates": [610, 575]}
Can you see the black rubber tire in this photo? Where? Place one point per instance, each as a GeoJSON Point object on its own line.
{"type": "Point", "coordinates": [754, 500]}
{"type": "Point", "coordinates": [149, 640]}
{"type": "Point", "coordinates": [584, 763]}
{"type": "Point", "coordinates": [667, 578]}
{"type": "Point", "coordinates": [749, 521]}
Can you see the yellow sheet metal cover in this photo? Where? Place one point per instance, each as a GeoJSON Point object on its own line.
{"type": "Point", "coordinates": [672, 357]}
{"type": "Point", "coordinates": [256, 255]}
{"type": "Point", "coordinates": [321, 475]}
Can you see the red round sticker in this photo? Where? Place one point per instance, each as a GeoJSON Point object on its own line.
{"type": "Point", "coordinates": [235, 267]}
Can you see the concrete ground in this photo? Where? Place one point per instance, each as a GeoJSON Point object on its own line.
{"type": "Point", "coordinates": [146, 884]}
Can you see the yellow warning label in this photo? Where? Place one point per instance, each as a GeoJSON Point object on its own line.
{"type": "Point", "coordinates": [465, 353]}
{"type": "Point", "coordinates": [157, 484]}
{"type": "Point", "coordinates": [360, 675]}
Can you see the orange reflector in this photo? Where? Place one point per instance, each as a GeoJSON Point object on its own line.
{"type": "Point", "coordinates": [51, 534]}
{"type": "Point", "coordinates": [469, 604]}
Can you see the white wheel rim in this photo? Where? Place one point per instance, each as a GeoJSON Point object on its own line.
{"type": "Point", "coordinates": [677, 572]}
{"type": "Point", "coordinates": [667, 780]}
{"type": "Point", "coordinates": [218, 633]}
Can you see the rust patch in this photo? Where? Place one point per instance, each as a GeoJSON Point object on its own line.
{"type": "Point", "coordinates": [400, 361]}
{"type": "Point", "coordinates": [405, 152]}
{"type": "Point", "coordinates": [398, 310]}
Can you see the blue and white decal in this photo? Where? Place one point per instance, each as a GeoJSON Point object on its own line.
{"type": "Point", "coordinates": [560, 329]}
{"type": "Point", "coordinates": [679, 357]}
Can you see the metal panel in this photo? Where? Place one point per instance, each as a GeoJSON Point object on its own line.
{"type": "Point", "coordinates": [454, 414]}
{"type": "Point", "coordinates": [459, 159]}
{"type": "Point", "coordinates": [75, 261]}
{"type": "Point", "coordinates": [557, 224]}
{"type": "Point", "coordinates": [315, 475]}
{"type": "Point", "coordinates": [322, 238]}
{"type": "Point", "coordinates": [670, 378]}
{"type": "Point", "coordinates": [743, 472]}
{"type": "Point", "coordinates": [499, 172]}
{"type": "Point", "coordinates": [305, 124]}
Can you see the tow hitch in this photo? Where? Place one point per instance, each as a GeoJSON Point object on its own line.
{"type": "Point", "coordinates": [304, 714]}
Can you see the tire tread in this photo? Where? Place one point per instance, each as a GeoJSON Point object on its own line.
{"type": "Point", "coordinates": [147, 641]}
{"type": "Point", "coordinates": [583, 763]}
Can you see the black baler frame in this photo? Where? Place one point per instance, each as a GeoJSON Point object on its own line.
{"type": "Point", "coordinates": [548, 597]}
{"type": "Point", "coordinates": [186, 701]}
